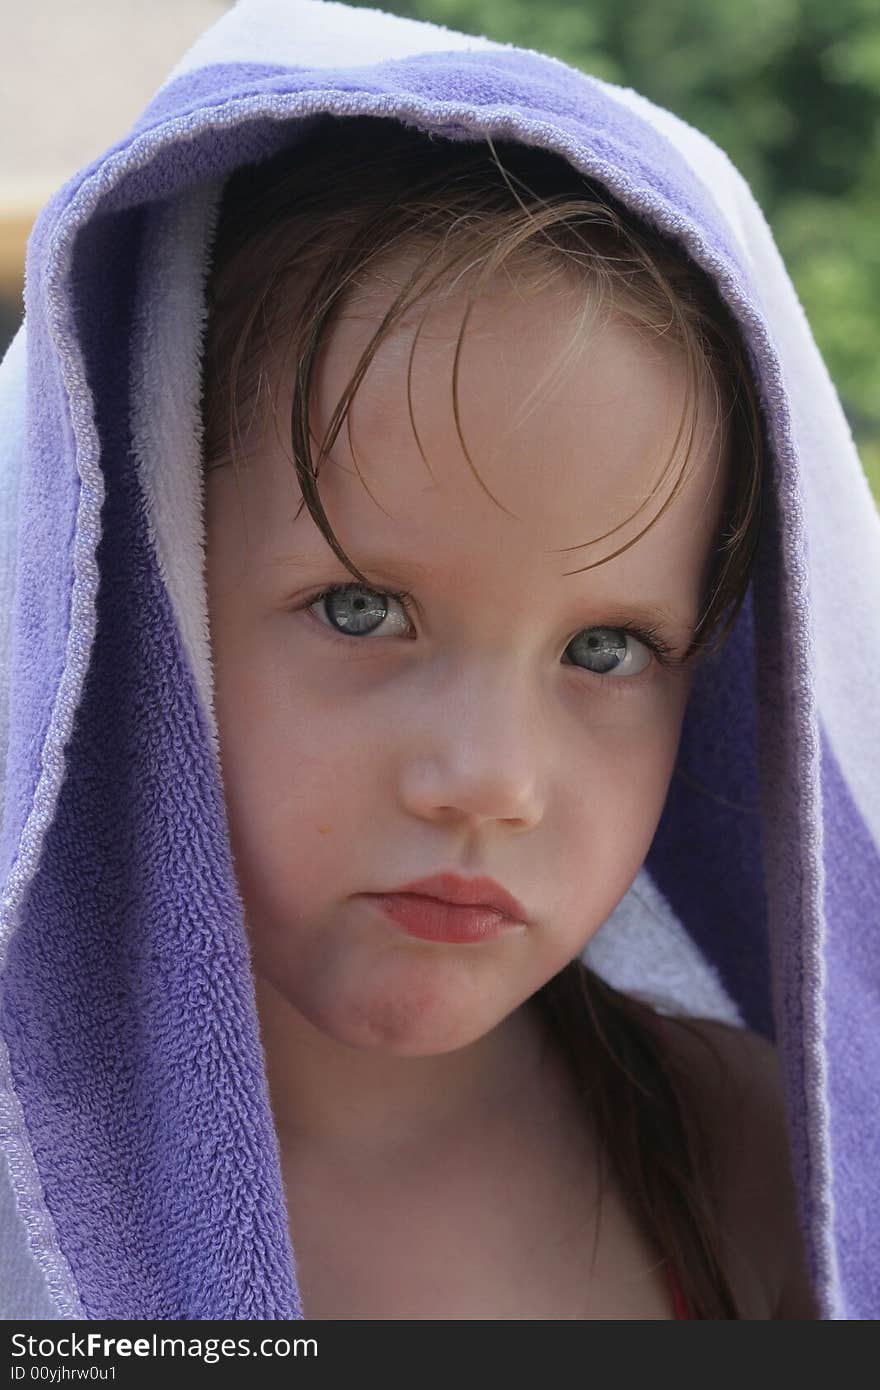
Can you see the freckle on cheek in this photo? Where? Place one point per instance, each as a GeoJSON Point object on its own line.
{"type": "Point", "coordinates": [324, 829]}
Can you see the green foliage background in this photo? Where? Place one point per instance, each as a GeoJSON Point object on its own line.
{"type": "Point", "coordinates": [790, 89]}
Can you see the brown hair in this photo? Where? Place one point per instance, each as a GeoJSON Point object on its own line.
{"type": "Point", "coordinates": [296, 235]}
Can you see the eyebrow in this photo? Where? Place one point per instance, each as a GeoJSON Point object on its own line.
{"type": "Point", "coordinates": [385, 570]}
{"type": "Point", "coordinates": [397, 573]}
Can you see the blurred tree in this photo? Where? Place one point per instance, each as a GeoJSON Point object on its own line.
{"type": "Point", "coordinates": [790, 89]}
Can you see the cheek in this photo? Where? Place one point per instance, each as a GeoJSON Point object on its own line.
{"type": "Point", "coordinates": [294, 782]}
{"type": "Point", "coordinates": [614, 797]}
{"type": "Point", "coordinates": [643, 759]}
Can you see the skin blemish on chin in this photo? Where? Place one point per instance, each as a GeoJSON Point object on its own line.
{"type": "Point", "coordinates": [397, 1024]}
{"type": "Point", "coordinates": [324, 829]}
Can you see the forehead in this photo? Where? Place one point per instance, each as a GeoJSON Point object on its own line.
{"type": "Point", "coordinates": [567, 426]}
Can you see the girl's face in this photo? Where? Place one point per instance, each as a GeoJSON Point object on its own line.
{"type": "Point", "coordinates": [474, 734]}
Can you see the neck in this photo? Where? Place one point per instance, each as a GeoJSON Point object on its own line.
{"type": "Point", "coordinates": [329, 1099]}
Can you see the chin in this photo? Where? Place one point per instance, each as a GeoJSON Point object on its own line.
{"type": "Point", "coordinates": [412, 1022]}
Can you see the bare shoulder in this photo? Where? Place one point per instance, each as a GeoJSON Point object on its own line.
{"type": "Point", "coordinates": [737, 1083]}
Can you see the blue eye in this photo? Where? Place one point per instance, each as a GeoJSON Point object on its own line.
{"type": "Point", "coordinates": [358, 610]}
{"type": "Point", "coordinates": [354, 610]}
{"type": "Point", "coordinates": [607, 649]}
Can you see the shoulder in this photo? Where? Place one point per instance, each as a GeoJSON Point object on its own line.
{"type": "Point", "coordinates": [736, 1081]}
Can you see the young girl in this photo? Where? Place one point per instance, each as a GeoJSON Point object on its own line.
{"type": "Point", "coordinates": [421, 898]}
{"type": "Point", "coordinates": [474, 704]}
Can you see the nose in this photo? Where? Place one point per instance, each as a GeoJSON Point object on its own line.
{"type": "Point", "coordinates": [474, 751]}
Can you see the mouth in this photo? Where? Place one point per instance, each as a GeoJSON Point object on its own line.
{"type": "Point", "coordinates": [435, 920]}
{"type": "Point", "coordinates": [476, 893]}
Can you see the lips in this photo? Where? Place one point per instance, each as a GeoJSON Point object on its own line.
{"type": "Point", "coordinates": [434, 920]}
{"type": "Point", "coordinates": [474, 892]}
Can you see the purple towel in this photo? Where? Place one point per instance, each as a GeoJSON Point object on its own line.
{"type": "Point", "coordinates": [141, 1171]}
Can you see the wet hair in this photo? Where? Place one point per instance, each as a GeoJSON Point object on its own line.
{"type": "Point", "coordinates": [301, 234]}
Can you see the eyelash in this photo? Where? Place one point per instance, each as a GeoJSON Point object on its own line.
{"type": "Point", "coordinates": [649, 636]}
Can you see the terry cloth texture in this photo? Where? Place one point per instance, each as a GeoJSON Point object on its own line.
{"type": "Point", "coordinates": [134, 1127]}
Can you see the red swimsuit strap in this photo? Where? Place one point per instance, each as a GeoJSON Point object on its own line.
{"type": "Point", "coordinates": [679, 1306]}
